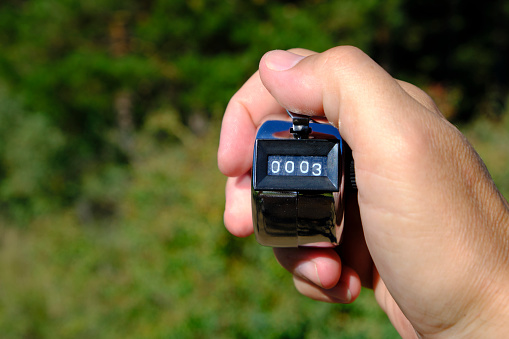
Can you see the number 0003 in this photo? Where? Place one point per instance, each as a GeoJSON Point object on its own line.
{"type": "Point", "coordinates": [296, 165]}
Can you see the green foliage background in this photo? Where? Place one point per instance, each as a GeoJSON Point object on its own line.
{"type": "Point", "coordinates": [110, 199]}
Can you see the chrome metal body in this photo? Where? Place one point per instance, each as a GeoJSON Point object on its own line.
{"type": "Point", "coordinates": [310, 216]}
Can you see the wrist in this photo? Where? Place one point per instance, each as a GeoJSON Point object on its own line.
{"type": "Point", "coordinates": [488, 316]}
{"type": "Point", "coordinates": [488, 322]}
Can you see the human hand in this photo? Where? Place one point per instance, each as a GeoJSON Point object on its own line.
{"type": "Point", "coordinates": [433, 230]}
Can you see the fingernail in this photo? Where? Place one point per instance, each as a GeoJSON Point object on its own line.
{"type": "Point", "coordinates": [309, 271]}
{"type": "Point", "coordinates": [279, 60]}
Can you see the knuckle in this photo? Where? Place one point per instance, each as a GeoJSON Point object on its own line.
{"type": "Point", "coordinates": [426, 100]}
{"type": "Point", "coordinates": [420, 96]}
{"type": "Point", "coordinates": [343, 57]}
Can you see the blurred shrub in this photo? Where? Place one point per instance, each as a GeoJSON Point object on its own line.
{"type": "Point", "coordinates": [164, 267]}
{"type": "Point", "coordinates": [94, 71]}
{"type": "Point", "coordinates": [109, 117]}
{"type": "Point", "coordinates": [30, 151]}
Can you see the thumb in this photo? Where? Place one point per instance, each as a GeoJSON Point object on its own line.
{"type": "Point", "coordinates": [375, 114]}
{"type": "Point", "coordinates": [341, 83]}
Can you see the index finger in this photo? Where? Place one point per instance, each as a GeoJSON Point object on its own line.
{"type": "Point", "coordinates": [244, 113]}
{"type": "Point", "coordinates": [247, 109]}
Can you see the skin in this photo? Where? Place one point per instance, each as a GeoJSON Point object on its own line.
{"type": "Point", "coordinates": [428, 230]}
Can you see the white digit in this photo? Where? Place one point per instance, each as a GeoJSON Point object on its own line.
{"type": "Point", "coordinates": [304, 167]}
{"type": "Point", "coordinates": [317, 169]}
{"type": "Point", "coordinates": [292, 166]}
{"type": "Point", "coordinates": [275, 166]}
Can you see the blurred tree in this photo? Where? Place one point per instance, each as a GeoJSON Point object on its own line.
{"type": "Point", "coordinates": [459, 45]}
{"type": "Point", "coordinates": [96, 70]}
